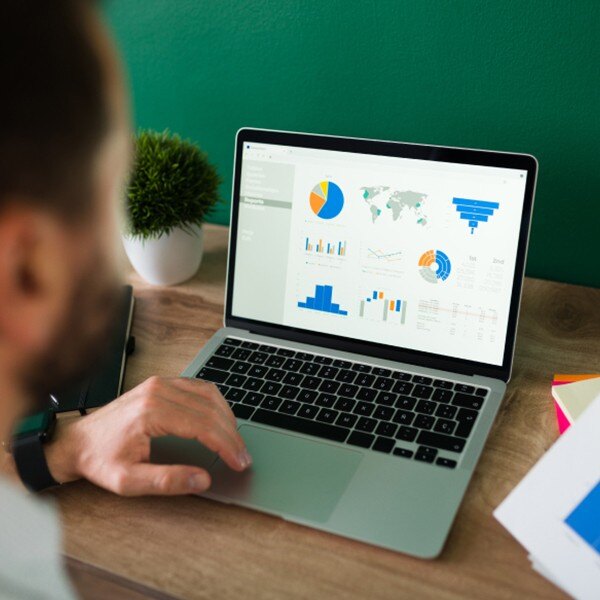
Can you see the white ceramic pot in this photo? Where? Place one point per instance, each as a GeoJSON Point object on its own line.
{"type": "Point", "coordinates": [168, 259]}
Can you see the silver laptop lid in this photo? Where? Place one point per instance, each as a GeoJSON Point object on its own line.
{"type": "Point", "coordinates": [409, 252]}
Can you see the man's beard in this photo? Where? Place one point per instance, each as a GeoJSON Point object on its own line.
{"type": "Point", "coordinates": [80, 342]}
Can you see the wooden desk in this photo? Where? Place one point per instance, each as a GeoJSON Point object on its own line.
{"type": "Point", "coordinates": [195, 548]}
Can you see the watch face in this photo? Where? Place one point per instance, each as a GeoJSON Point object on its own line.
{"type": "Point", "coordinates": [37, 423]}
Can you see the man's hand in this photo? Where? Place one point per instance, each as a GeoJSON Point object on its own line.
{"type": "Point", "coordinates": [111, 447]}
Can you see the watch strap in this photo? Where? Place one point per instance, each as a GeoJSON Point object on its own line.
{"type": "Point", "coordinates": [30, 460]}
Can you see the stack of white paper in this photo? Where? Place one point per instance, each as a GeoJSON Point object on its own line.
{"type": "Point", "coordinates": [555, 511]}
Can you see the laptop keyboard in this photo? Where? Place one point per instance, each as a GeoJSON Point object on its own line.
{"type": "Point", "coordinates": [385, 410]}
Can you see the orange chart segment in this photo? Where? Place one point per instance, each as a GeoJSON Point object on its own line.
{"type": "Point", "coordinates": [428, 258]}
{"type": "Point", "coordinates": [316, 202]}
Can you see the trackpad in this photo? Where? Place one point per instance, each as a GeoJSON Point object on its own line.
{"type": "Point", "coordinates": [289, 474]}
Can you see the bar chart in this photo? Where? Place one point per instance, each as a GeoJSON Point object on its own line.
{"type": "Point", "coordinates": [324, 247]}
{"type": "Point", "coordinates": [475, 211]}
{"type": "Point", "coordinates": [378, 306]}
{"type": "Point", "coordinates": [322, 301]}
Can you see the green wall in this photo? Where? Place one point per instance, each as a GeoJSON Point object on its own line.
{"type": "Point", "coordinates": [503, 75]}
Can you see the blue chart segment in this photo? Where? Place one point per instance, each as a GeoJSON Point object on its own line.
{"type": "Point", "coordinates": [435, 266]}
{"type": "Point", "coordinates": [326, 200]}
{"type": "Point", "coordinates": [584, 520]}
{"type": "Point", "coordinates": [322, 301]}
{"type": "Point", "coordinates": [475, 211]}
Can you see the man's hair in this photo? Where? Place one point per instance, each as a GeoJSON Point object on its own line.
{"type": "Point", "coordinates": [53, 104]}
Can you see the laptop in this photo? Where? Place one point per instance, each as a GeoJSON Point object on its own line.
{"type": "Point", "coordinates": [373, 292]}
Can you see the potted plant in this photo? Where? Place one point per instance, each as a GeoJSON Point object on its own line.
{"type": "Point", "coordinates": [173, 187]}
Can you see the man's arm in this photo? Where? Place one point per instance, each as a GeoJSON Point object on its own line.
{"type": "Point", "coordinates": [111, 446]}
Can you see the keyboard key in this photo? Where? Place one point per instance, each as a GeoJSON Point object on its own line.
{"type": "Point", "coordinates": [326, 400]}
{"type": "Point", "coordinates": [406, 403]}
{"type": "Point", "coordinates": [307, 396]}
{"type": "Point", "coordinates": [361, 368]}
{"type": "Point", "coordinates": [408, 434]}
{"type": "Point", "coordinates": [225, 351]}
{"type": "Point", "coordinates": [241, 354]}
{"type": "Point", "coordinates": [467, 401]}
{"type": "Point", "coordinates": [364, 408]}
{"type": "Point", "coordinates": [236, 380]}
{"type": "Point", "coordinates": [328, 372]}
{"type": "Point", "coordinates": [383, 444]}
{"type": "Point", "coordinates": [308, 412]}
{"type": "Point", "coordinates": [304, 356]}
{"type": "Point", "coordinates": [293, 378]}
{"type": "Point", "coordinates": [366, 394]}
{"type": "Point", "coordinates": [366, 424]}
{"type": "Point", "coordinates": [421, 379]}
{"type": "Point", "coordinates": [386, 429]}
{"type": "Point", "coordinates": [223, 388]}
{"type": "Point", "coordinates": [345, 404]}
{"type": "Point", "coordinates": [425, 454]}
{"type": "Point", "coordinates": [387, 398]}
{"type": "Point", "coordinates": [383, 383]}
{"type": "Point", "coordinates": [217, 362]}
{"type": "Point", "coordinates": [323, 360]}
{"type": "Point", "coordinates": [253, 398]}
{"type": "Point", "coordinates": [402, 387]}
{"type": "Point", "coordinates": [446, 411]}
{"type": "Point", "coordinates": [442, 395]}
{"type": "Point", "coordinates": [346, 420]}
{"type": "Point", "coordinates": [424, 421]}
{"type": "Point", "coordinates": [464, 388]}
{"type": "Point", "coordinates": [275, 361]}
{"type": "Point", "coordinates": [315, 428]}
{"type": "Point", "coordinates": [331, 387]}
{"type": "Point", "coordinates": [275, 375]}
{"type": "Point", "coordinates": [466, 419]}
{"type": "Point", "coordinates": [346, 376]}
{"type": "Point", "coordinates": [271, 403]}
{"type": "Point", "coordinates": [289, 392]}
{"type": "Point", "coordinates": [446, 462]}
{"type": "Point", "coordinates": [289, 407]}
{"type": "Point", "coordinates": [271, 388]}
{"type": "Point", "coordinates": [285, 352]}
{"type": "Point", "coordinates": [310, 382]}
{"type": "Point", "coordinates": [253, 384]}
{"type": "Point", "coordinates": [403, 452]}
{"type": "Point", "coordinates": [309, 368]}
{"type": "Point", "coordinates": [232, 341]}
{"type": "Point", "coordinates": [257, 371]}
{"type": "Point", "coordinates": [365, 380]}
{"type": "Point", "coordinates": [481, 392]}
{"type": "Point", "coordinates": [235, 394]}
{"type": "Point", "coordinates": [426, 407]}
{"type": "Point", "coordinates": [401, 376]}
{"type": "Point", "coordinates": [292, 364]}
{"type": "Point", "coordinates": [442, 383]}
{"type": "Point", "coordinates": [422, 391]}
{"type": "Point", "coordinates": [327, 415]}
{"type": "Point", "coordinates": [364, 440]}
{"type": "Point", "coordinates": [381, 372]}
{"type": "Point", "coordinates": [267, 349]}
{"type": "Point", "coordinates": [250, 345]}
{"type": "Point", "coordinates": [258, 358]}
{"type": "Point", "coordinates": [443, 442]}
{"type": "Point", "coordinates": [242, 411]}
{"type": "Point", "coordinates": [342, 364]}
{"type": "Point", "coordinates": [383, 413]}
{"type": "Point", "coordinates": [213, 375]}
{"type": "Point", "coordinates": [348, 390]}
{"type": "Point", "coordinates": [404, 417]}
{"type": "Point", "coordinates": [444, 426]}
{"type": "Point", "coordinates": [240, 367]}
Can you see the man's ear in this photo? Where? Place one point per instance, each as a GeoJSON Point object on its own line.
{"type": "Point", "coordinates": [34, 277]}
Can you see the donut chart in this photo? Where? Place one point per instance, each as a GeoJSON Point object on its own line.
{"type": "Point", "coordinates": [326, 200]}
{"type": "Point", "coordinates": [435, 266]}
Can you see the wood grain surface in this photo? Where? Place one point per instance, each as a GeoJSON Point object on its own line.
{"type": "Point", "coordinates": [195, 548]}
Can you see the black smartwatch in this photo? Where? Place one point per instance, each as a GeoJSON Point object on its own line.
{"type": "Point", "coordinates": [28, 452]}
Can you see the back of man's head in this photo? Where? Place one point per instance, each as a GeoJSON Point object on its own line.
{"type": "Point", "coordinates": [53, 103]}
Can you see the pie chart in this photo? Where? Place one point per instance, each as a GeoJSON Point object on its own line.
{"type": "Point", "coordinates": [326, 200]}
{"type": "Point", "coordinates": [435, 266]}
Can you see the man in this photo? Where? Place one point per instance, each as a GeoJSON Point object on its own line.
{"type": "Point", "coordinates": [64, 155]}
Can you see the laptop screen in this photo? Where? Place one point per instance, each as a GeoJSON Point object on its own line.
{"type": "Point", "coordinates": [409, 253]}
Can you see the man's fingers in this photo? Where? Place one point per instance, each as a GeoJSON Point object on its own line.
{"type": "Point", "coordinates": [164, 480]}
